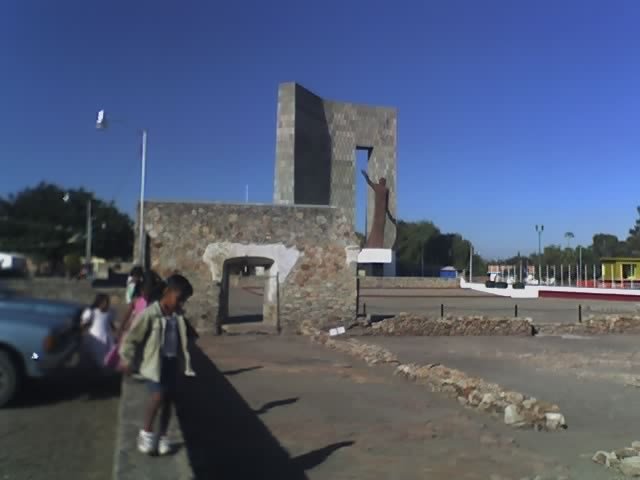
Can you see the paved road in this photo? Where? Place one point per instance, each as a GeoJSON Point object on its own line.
{"type": "Point", "coordinates": [62, 429]}
{"type": "Point", "coordinates": [248, 303]}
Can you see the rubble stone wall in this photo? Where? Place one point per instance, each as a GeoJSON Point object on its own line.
{"type": "Point", "coordinates": [313, 251]}
{"type": "Point", "coordinates": [420, 325]}
{"type": "Point", "coordinates": [409, 282]}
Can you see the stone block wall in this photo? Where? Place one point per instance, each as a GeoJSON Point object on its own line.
{"type": "Point", "coordinates": [58, 289]}
{"type": "Point", "coordinates": [316, 142]}
{"type": "Point", "coordinates": [408, 282]}
{"type": "Point", "coordinates": [313, 249]}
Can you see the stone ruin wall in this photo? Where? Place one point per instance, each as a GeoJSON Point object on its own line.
{"type": "Point", "coordinates": [314, 248]}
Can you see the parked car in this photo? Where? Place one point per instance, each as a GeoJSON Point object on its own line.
{"type": "Point", "coordinates": [36, 338]}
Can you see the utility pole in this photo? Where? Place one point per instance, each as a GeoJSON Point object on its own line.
{"type": "Point", "coordinates": [87, 252]}
{"type": "Point", "coordinates": [539, 230]}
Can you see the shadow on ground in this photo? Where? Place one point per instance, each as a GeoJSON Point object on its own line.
{"type": "Point", "coordinates": [224, 437]}
{"type": "Point", "coordinates": [67, 385]}
{"type": "Point", "coordinates": [231, 373]}
{"type": "Point", "coordinates": [277, 403]}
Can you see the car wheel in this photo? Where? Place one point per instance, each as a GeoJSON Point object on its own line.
{"type": "Point", "coordinates": [8, 379]}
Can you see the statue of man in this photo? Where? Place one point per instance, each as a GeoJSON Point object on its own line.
{"type": "Point", "coordinates": [375, 239]}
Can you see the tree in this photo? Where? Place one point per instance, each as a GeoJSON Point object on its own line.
{"type": "Point", "coordinates": [633, 240]}
{"type": "Point", "coordinates": [411, 245]}
{"type": "Point", "coordinates": [569, 236]}
{"type": "Point", "coordinates": [38, 221]}
{"type": "Point", "coordinates": [421, 247]}
{"type": "Point", "coordinates": [607, 245]}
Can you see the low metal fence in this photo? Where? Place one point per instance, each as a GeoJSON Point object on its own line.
{"type": "Point", "coordinates": [587, 276]}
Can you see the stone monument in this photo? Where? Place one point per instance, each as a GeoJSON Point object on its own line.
{"type": "Point", "coordinates": [316, 147]}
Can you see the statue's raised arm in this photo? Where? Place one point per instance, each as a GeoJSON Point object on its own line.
{"type": "Point", "coordinates": [366, 177]}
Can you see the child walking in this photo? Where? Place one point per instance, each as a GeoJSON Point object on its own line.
{"type": "Point", "coordinates": [97, 321]}
{"type": "Point", "coordinates": [161, 332]}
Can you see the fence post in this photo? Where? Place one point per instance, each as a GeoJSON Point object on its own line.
{"type": "Point", "coordinates": [579, 313]}
{"type": "Point", "coordinates": [442, 310]}
{"type": "Point", "coordinates": [516, 310]}
{"type": "Point", "coordinates": [613, 277]}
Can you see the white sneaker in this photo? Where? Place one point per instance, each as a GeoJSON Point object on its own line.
{"type": "Point", "coordinates": [145, 442]}
{"type": "Point", "coordinates": [164, 446]}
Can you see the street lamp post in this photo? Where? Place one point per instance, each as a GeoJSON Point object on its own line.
{"type": "Point", "coordinates": [87, 254]}
{"type": "Point", "coordinates": [101, 124]}
{"type": "Point", "coordinates": [539, 230]}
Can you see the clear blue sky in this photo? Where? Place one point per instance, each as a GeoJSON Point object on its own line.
{"type": "Point", "coordinates": [511, 113]}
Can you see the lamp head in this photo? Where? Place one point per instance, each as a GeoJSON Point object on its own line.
{"type": "Point", "coordinates": [101, 120]}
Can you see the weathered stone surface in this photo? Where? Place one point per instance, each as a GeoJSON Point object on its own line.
{"type": "Point", "coordinates": [593, 325]}
{"type": "Point", "coordinates": [512, 416]}
{"type": "Point", "coordinates": [554, 421]}
{"type": "Point", "coordinates": [313, 279]}
{"type": "Point", "coordinates": [415, 324]}
{"type": "Point", "coordinates": [600, 457]}
{"type": "Point", "coordinates": [625, 453]}
{"type": "Point", "coordinates": [630, 466]}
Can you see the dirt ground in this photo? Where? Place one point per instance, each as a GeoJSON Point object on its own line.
{"type": "Point", "coordinates": [337, 418]}
{"type": "Point", "coordinates": [594, 380]}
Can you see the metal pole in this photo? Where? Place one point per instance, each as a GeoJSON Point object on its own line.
{"type": "Point", "coordinates": [520, 271]}
{"type": "Point", "coordinates": [470, 263]}
{"type": "Point", "coordinates": [580, 256]}
{"type": "Point", "coordinates": [246, 194]}
{"type": "Point", "coordinates": [562, 274]}
{"type": "Point", "coordinates": [547, 280]}
{"type": "Point", "coordinates": [569, 277]}
{"type": "Point", "coordinates": [621, 277]}
{"type": "Point", "coordinates": [595, 284]}
{"type": "Point", "coordinates": [141, 235]}
{"type": "Point", "coordinates": [87, 252]}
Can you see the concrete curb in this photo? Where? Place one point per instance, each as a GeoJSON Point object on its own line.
{"type": "Point", "coordinates": [129, 464]}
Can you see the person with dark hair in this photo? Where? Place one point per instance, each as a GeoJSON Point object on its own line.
{"type": "Point", "coordinates": [161, 333]}
{"type": "Point", "coordinates": [146, 292]}
{"type": "Point", "coordinates": [133, 282]}
{"type": "Point", "coordinates": [97, 321]}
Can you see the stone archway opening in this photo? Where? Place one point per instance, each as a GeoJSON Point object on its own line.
{"type": "Point", "coordinates": [247, 290]}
